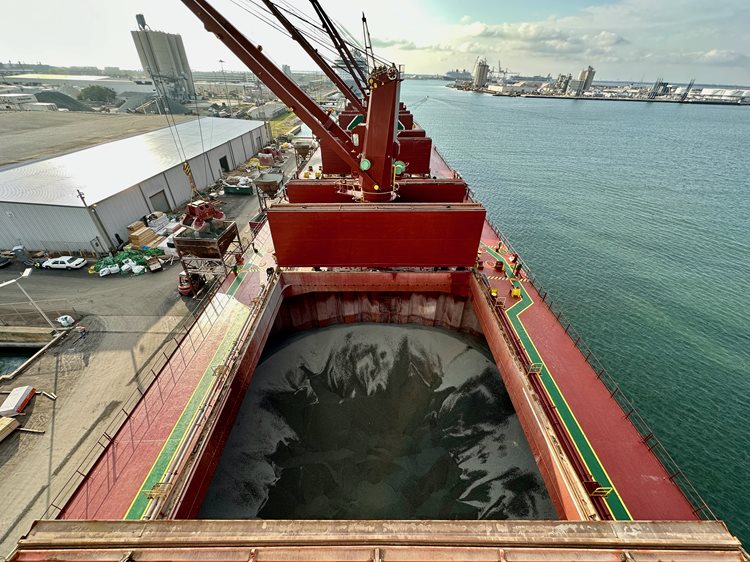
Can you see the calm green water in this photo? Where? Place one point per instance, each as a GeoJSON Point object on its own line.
{"type": "Point", "coordinates": [635, 216]}
{"type": "Point", "coordinates": [10, 359]}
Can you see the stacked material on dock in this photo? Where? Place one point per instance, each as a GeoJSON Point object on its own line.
{"type": "Point", "coordinates": [7, 426]}
{"type": "Point", "coordinates": [135, 226]}
{"type": "Point", "coordinates": [17, 400]}
{"type": "Point", "coordinates": [144, 237]}
{"type": "Point", "coordinates": [157, 221]}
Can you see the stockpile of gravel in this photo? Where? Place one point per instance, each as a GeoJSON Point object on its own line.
{"type": "Point", "coordinates": [62, 101]}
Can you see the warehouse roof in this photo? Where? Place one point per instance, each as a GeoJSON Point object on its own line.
{"type": "Point", "coordinates": [107, 169]}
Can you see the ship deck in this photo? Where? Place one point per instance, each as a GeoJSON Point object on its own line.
{"type": "Point", "coordinates": [613, 450]}
{"type": "Point", "coordinates": [124, 480]}
{"type": "Point", "coordinates": [373, 541]}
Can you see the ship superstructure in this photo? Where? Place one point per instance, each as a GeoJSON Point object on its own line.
{"type": "Point", "coordinates": [390, 233]}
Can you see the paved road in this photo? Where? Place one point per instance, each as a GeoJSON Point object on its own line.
{"type": "Point", "coordinates": [150, 294]}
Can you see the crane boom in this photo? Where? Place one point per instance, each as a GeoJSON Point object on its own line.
{"type": "Point", "coordinates": [315, 56]}
{"type": "Point", "coordinates": [306, 108]}
{"type": "Point", "coordinates": [369, 54]}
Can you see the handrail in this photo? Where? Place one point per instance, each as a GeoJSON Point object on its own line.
{"type": "Point", "coordinates": [175, 472]}
{"type": "Point", "coordinates": [524, 361]}
{"type": "Point", "coordinates": [700, 508]}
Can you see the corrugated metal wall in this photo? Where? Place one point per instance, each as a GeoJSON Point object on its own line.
{"type": "Point", "coordinates": [214, 156]}
{"type": "Point", "coordinates": [202, 173]}
{"type": "Point", "coordinates": [153, 186]}
{"type": "Point", "coordinates": [117, 212]}
{"type": "Point", "coordinates": [44, 227]}
{"type": "Point", "coordinates": [179, 185]}
{"type": "Point", "coordinates": [238, 151]}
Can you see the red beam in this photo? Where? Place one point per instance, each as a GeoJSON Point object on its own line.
{"type": "Point", "coordinates": [414, 149]}
{"type": "Point", "coordinates": [314, 55]}
{"type": "Point", "coordinates": [380, 144]}
{"type": "Point", "coordinates": [410, 191]}
{"type": "Point", "coordinates": [306, 108]}
{"type": "Point", "coordinates": [380, 236]}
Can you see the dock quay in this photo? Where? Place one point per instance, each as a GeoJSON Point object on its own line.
{"type": "Point", "coordinates": [25, 336]}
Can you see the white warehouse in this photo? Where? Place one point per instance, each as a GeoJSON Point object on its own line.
{"type": "Point", "coordinates": [84, 200]}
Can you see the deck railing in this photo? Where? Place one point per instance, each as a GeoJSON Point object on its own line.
{"type": "Point", "coordinates": [700, 508]}
{"type": "Point", "coordinates": [523, 361]}
{"type": "Point", "coordinates": [188, 331]}
{"type": "Point", "coordinates": [179, 471]}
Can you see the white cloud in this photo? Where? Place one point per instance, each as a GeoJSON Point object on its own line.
{"type": "Point", "coordinates": [717, 57]}
{"type": "Point", "coordinates": [625, 39]}
{"type": "Point", "coordinates": [405, 45]}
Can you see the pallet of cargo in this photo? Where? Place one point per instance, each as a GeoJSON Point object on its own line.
{"type": "Point", "coordinates": [143, 237]}
{"type": "Point", "coordinates": [7, 426]}
{"type": "Point", "coordinates": [135, 226]}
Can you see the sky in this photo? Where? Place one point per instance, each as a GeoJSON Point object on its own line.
{"type": "Point", "coordinates": [628, 40]}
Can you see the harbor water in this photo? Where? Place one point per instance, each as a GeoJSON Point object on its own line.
{"type": "Point", "coordinates": [11, 359]}
{"type": "Point", "coordinates": [635, 217]}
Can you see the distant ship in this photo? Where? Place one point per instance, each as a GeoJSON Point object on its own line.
{"type": "Point", "coordinates": [341, 69]}
{"type": "Point", "coordinates": [457, 75]}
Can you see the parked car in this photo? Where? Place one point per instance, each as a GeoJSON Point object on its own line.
{"type": "Point", "coordinates": [64, 262]}
{"type": "Point", "coordinates": [4, 262]}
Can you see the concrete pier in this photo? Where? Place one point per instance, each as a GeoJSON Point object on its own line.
{"type": "Point", "coordinates": [25, 336]}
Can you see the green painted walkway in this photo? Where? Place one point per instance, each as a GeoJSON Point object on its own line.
{"type": "Point", "coordinates": [613, 500]}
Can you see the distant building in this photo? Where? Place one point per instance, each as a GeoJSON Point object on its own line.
{"type": "Point", "coordinates": [521, 87]}
{"type": "Point", "coordinates": [588, 78]}
{"type": "Point", "coordinates": [287, 70]}
{"type": "Point", "coordinates": [562, 82]}
{"type": "Point", "coordinates": [268, 110]}
{"type": "Point", "coordinates": [582, 84]}
{"type": "Point", "coordinates": [15, 101]}
{"type": "Point", "coordinates": [481, 74]}
{"type": "Point", "coordinates": [71, 83]}
{"type": "Point", "coordinates": [24, 102]}
{"type": "Point", "coordinates": [163, 58]}
{"type": "Point", "coordinates": [575, 87]}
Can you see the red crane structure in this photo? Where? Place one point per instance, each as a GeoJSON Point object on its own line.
{"type": "Point", "coordinates": [378, 188]}
{"type": "Point", "coordinates": [356, 72]}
